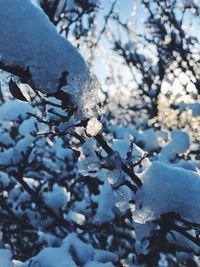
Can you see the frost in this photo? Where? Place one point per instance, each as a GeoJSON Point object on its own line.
{"type": "Point", "coordinates": [114, 176]}
{"type": "Point", "coordinates": [93, 127]}
{"type": "Point", "coordinates": [168, 189]}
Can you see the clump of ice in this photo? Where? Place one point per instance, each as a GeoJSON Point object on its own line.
{"type": "Point", "coordinates": [122, 197]}
{"type": "Point", "coordinates": [93, 127]}
{"type": "Point", "coordinates": [168, 189]}
{"type": "Point", "coordinates": [88, 162]}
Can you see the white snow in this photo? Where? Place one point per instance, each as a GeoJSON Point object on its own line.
{"type": "Point", "coordinates": [5, 258]}
{"type": "Point", "coordinates": [106, 204]}
{"type": "Point", "coordinates": [30, 41]}
{"type": "Point", "coordinates": [149, 138]}
{"type": "Point", "coordinates": [13, 109]}
{"type": "Point", "coordinates": [168, 189]}
{"type": "Point", "coordinates": [73, 252]}
{"type": "Point", "coordinates": [76, 217]}
{"type": "Point", "coordinates": [179, 143]}
{"type": "Point", "coordinates": [57, 198]}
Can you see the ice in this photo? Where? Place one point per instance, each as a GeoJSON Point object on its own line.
{"type": "Point", "coordinates": [93, 127]}
{"type": "Point", "coordinates": [88, 162]}
{"type": "Point", "coordinates": [114, 176]}
{"type": "Point", "coordinates": [168, 189]}
{"type": "Point", "coordinates": [122, 197]}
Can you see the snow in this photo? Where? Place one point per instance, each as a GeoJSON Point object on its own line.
{"type": "Point", "coordinates": [97, 264]}
{"type": "Point", "coordinates": [52, 256]}
{"type": "Point", "coordinates": [28, 127]}
{"type": "Point", "coordinates": [15, 154]}
{"type": "Point", "coordinates": [149, 138]}
{"type": "Point", "coordinates": [30, 41]}
{"type": "Point", "coordinates": [104, 256]}
{"type": "Point", "coordinates": [195, 107]}
{"type": "Point", "coordinates": [76, 217]}
{"type": "Point", "coordinates": [73, 252]}
{"type": "Point", "coordinates": [105, 207]}
{"type": "Point", "coordinates": [83, 252]}
{"type": "Point", "coordinates": [57, 198]}
{"type": "Point", "coordinates": [179, 143]}
{"type": "Point", "coordinates": [5, 258]}
{"type": "Point", "coordinates": [168, 189]}
{"type": "Point", "coordinates": [4, 179]}
{"type": "Point", "coordinates": [13, 109]}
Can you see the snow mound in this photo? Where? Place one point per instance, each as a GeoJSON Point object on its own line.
{"type": "Point", "coordinates": [168, 189]}
{"type": "Point", "coordinates": [31, 47]}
